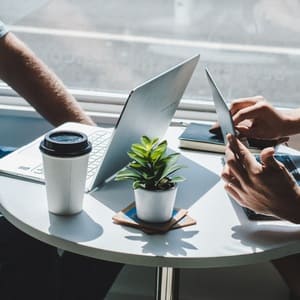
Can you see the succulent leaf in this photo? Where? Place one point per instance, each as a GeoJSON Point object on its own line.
{"type": "Point", "coordinates": [152, 168]}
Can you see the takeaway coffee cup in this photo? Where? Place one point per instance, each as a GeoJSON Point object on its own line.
{"type": "Point", "coordinates": [65, 159]}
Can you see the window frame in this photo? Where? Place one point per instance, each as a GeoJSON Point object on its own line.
{"type": "Point", "coordinates": [105, 107]}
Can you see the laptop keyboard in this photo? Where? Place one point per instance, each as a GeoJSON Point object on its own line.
{"type": "Point", "coordinates": [100, 141]}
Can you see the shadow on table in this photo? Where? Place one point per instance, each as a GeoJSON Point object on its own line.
{"type": "Point", "coordinates": [266, 235]}
{"type": "Point", "coordinates": [199, 180]}
{"type": "Point", "coordinates": [241, 215]}
{"type": "Point", "coordinates": [263, 233]}
{"type": "Point", "coordinates": [77, 228]}
{"type": "Point", "coordinates": [168, 243]}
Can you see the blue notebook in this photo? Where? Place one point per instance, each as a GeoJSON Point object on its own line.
{"type": "Point", "coordinates": [204, 137]}
{"type": "Point", "coordinates": [196, 136]}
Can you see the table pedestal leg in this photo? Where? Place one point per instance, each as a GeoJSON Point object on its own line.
{"type": "Point", "coordinates": [167, 283]}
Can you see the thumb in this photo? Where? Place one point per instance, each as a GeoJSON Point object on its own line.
{"type": "Point", "coordinates": [243, 130]}
{"type": "Point", "coordinates": [268, 159]}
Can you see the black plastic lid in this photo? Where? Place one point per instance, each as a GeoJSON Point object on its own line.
{"type": "Point", "coordinates": [65, 144]}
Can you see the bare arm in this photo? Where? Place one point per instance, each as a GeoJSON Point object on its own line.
{"type": "Point", "coordinates": [32, 79]}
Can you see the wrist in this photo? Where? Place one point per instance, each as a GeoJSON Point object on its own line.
{"type": "Point", "coordinates": [291, 123]}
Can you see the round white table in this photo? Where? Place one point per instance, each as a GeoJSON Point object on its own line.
{"type": "Point", "coordinates": [223, 236]}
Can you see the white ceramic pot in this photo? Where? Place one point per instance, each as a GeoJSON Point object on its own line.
{"type": "Point", "coordinates": [155, 206]}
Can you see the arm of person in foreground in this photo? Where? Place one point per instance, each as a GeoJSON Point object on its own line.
{"type": "Point", "coordinates": [265, 187]}
{"type": "Point", "coordinates": [33, 80]}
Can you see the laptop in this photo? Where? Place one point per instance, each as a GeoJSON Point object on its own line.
{"type": "Point", "coordinates": [227, 126]}
{"type": "Point", "coordinates": [148, 110]}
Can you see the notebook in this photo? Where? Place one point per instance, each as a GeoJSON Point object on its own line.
{"type": "Point", "coordinates": [226, 123]}
{"type": "Point", "coordinates": [199, 136]}
{"type": "Point", "coordinates": [196, 136]}
{"type": "Point", "coordinates": [148, 110]}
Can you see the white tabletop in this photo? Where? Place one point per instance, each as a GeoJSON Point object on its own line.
{"type": "Point", "coordinates": [222, 236]}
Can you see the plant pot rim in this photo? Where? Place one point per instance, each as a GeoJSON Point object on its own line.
{"type": "Point", "coordinates": [159, 191]}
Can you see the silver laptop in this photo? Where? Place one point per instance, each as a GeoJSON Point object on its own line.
{"type": "Point", "coordinates": [148, 110]}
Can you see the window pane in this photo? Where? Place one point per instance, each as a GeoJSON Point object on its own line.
{"type": "Point", "coordinates": [251, 47]}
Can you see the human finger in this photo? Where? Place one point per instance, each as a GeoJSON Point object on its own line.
{"type": "Point", "coordinates": [267, 158]}
{"type": "Point", "coordinates": [231, 153]}
{"type": "Point", "coordinates": [244, 156]}
{"type": "Point", "coordinates": [250, 112]}
{"type": "Point", "coordinates": [234, 166]}
{"type": "Point", "coordinates": [215, 128]}
{"type": "Point", "coordinates": [269, 161]}
{"type": "Point", "coordinates": [244, 129]}
{"type": "Point", "coordinates": [241, 103]}
{"type": "Point", "coordinates": [226, 174]}
{"type": "Point", "coordinates": [234, 192]}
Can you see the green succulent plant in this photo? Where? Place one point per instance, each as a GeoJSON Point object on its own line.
{"type": "Point", "coordinates": [152, 168]}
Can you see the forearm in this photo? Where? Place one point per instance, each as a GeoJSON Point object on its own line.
{"type": "Point", "coordinates": [30, 77]}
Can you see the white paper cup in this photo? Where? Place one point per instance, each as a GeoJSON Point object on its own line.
{"type": "Point", "coordinates": [65, 159]}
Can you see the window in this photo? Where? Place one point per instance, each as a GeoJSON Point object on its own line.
{"type": "Point", "coordinates": [101, 49]}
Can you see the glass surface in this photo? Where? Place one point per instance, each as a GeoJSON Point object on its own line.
{"type": "Point", "coordinates": [250, 46]}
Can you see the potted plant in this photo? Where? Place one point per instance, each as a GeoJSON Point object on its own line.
{"type": "Point", "coordinates": [154, 182]}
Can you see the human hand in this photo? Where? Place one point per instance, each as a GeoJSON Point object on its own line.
{"type": "Point", "coordinates": [266, 188]}
{"type": "Point", "coordinates": [256, 118]}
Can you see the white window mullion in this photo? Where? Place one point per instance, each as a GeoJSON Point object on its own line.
{"type": "Point", "coordinates": [112, 103]}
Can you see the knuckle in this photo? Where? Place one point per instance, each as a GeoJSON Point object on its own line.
{"type": "Point", "coordinates": [234, 103]}
{"type": "Point", "coordinates": [230, 162]}
{"type": "Point", "coordinates": [257, 174]}
{"type": "Point", "coordinates": [225, 176]}
{"type": "Point", "coordinates": [263, 105]}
